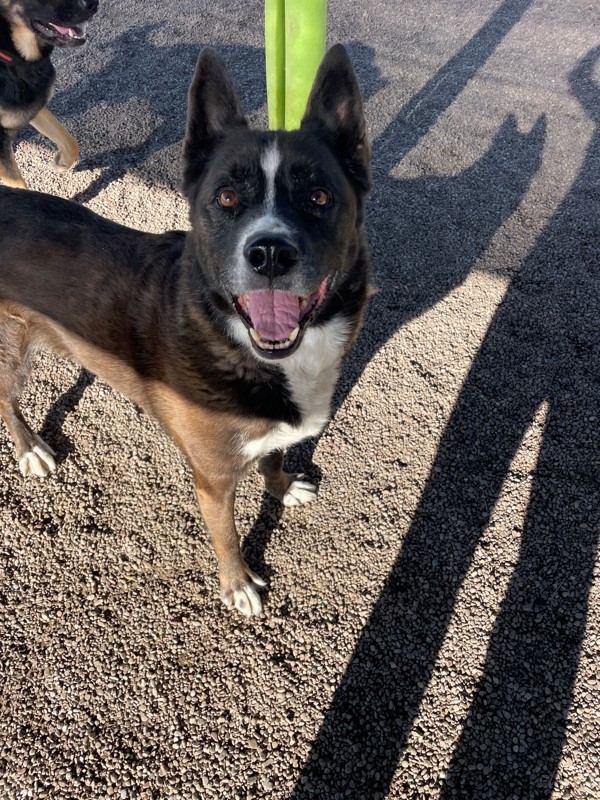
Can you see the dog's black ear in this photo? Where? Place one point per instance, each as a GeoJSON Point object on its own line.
{"type": "Point", "coordinates": [213, 108]}
{"type": "Point", "coordinates": [335, 106]}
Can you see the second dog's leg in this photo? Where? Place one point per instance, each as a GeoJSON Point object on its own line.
{"type": "Point", "coordinates": [33, 454]}
{"type": "Point", "coordinates": [68, 150]}
{"type": "Point", "coordinates": [10, 174]}
{"type": "Point", "coordinates": [288, 488]}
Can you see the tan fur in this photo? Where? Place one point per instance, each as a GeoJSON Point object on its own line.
{"type": "Point", "coordinates": [25, 41]}
{"type": "Point", "coordinates": [68, 150]}
{"type": "Point", "coordinates": [10, 174]}
{"type": "Point", "coordinates": [208, 440]}
{"type": "Point", "coordinates": [23, 37]}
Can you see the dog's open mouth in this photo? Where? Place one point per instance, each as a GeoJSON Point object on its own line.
{"type": "Point", "coordinates": [60, 35]}
{"type": "Point", "coordinates": [276, 320]}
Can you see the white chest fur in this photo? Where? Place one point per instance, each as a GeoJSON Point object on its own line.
{"type": "Point", "coordinates": [312, 372]}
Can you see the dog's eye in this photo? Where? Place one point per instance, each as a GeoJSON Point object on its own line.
{"type": "Point", "coordinates": [227, 198]}
{"type": "Point", "coordinates": [320, 198]}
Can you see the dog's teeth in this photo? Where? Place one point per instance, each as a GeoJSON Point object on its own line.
{"type": "Point", "coordinates": [303, 303]}
{"type": "Point", "coordinates": [294, 335]}
{"type": "Point", "coordinates": [254, 335]}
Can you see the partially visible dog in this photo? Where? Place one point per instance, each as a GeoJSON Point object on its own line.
{"type": "Point", "coordinates": [29, 30]}
{"type": "Point", "coordinates": [231, 335]}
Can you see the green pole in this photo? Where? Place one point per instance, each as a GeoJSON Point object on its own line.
{"type": "Point", "coordinates": [295, 32]}
{"type": "Point", "coordinates": [275, 61]}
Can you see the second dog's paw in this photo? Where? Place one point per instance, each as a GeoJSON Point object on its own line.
{"type": "Point", "coordinates": [244, 596]}
{"type": "Point", "coordinates": [64, 161]}
{"type": "Point", "coordinates": [39, 462]}
{"type": "Point", "coordinates": [299, 492]}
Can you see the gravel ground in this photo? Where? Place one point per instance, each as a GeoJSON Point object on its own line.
{"type": "Point", "coordinates": [432, 624]}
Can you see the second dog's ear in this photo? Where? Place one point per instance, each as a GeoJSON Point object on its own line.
{"type": "Point", "coordinates": [213, 107]}
{"type": "Point", "coordinates": [335, 106]}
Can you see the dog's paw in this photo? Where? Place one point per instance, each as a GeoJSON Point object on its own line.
{"type": "Point", "coordinates": [39, 461]}
{"type": "Point", "coordinates": [63, 161]}
{"type": "Point", "coordinates": [299, 492]}
{"type": "Point", "coordinates": [244, 597]}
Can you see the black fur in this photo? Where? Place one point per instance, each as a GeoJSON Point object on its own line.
{"type": "Point", "coordinates": [217, 374]}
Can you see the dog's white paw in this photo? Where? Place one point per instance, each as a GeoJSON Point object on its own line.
{"type": "Point", "coordinates": [299, 492]}
{"type": "Point", "coordinates": [245, 598]}
{"type": "Point", "coordinates": [39, 461]}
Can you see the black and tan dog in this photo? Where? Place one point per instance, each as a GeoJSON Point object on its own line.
{"type": "Point", "coordinates": [29, 30]}
{"type": "Point", "coordinates": [231, 335]}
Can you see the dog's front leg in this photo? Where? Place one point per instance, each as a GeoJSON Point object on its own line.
{"type": "Point", "coordinates": [10, 174]}
{"type": "Point", "coordinates": [68, 150]}
{"type": "Point", "coordinates": [202, 437]}
{"type": "Point", "coordinates": [238, 583]}
{"type": "Point", "coordinates": [289, 488]}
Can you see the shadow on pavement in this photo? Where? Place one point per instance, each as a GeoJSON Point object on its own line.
{"type": "Point", "coordinates": [157, 76]}
{"type": "Point", "coordinates": [542, 348]}
{"type": "Point", "coordinates": [51, 431]}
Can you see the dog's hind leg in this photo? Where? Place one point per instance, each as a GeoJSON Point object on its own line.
{"type": "Point", "coordinates": [68, 150]}
{"type": "Point", "coordinates": [10, 174]}
{"type": "Point", "coordinates": [289, 489]}
{"type": "Point", "coordinates": [35, 457]}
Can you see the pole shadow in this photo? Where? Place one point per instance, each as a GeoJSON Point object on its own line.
{"type": "Point", "coordinates": [542, 347]}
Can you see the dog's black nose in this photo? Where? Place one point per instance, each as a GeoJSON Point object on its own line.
{"type": "Point", "coordinates": [271, 255]}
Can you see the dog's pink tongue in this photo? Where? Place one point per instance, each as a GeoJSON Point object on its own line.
{"type": "Point", "coordinates": [274, 314]}
{"type": "Point", "coordinates": [64, 31]}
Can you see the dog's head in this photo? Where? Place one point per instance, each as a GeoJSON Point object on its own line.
{"type": "Point", "coordinates": [277, 216]}
{"type": "Point", "coordinates": [60, 23]}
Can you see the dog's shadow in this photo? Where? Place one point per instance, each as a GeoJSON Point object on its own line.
{"type": "Point", "coordinates": [52, 428]}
